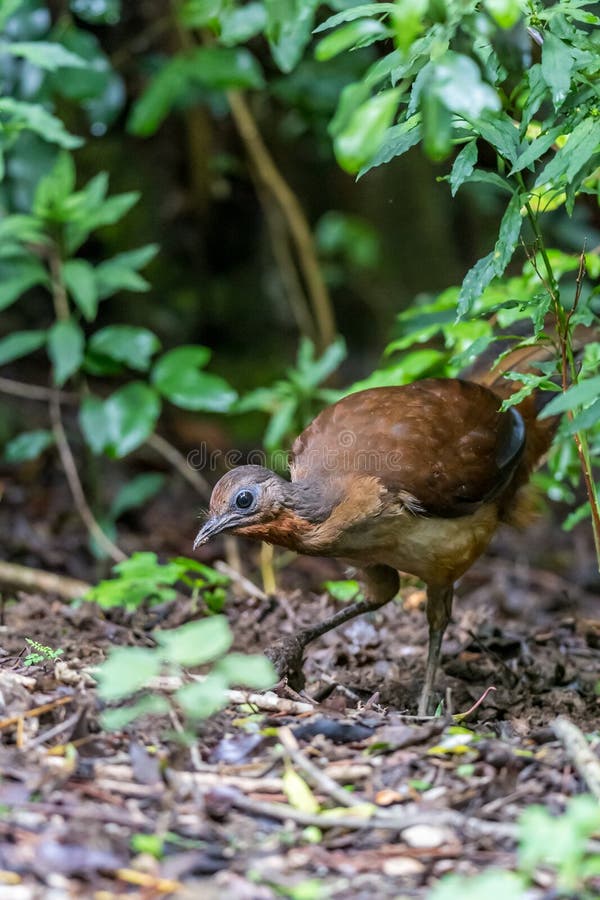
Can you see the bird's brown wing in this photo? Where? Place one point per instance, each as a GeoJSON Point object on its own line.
{"type": "Point", "coordinates": [443, 442]}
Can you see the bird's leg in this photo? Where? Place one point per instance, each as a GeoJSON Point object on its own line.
{"type": "Point", "coordinates": [381, 586]}
{"type": "Point", "coordinates": [439, 608]}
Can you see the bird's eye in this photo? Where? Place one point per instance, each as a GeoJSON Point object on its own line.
{"type": "Point", "coordinates": [244, 499]}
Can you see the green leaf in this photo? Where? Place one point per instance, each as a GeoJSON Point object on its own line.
{"type": "Point", "coordinates": [44, 54]}
{"type": "Point", "coordinates": [195, 643]}
{"type": "Point", "coordinates": [362, 136]}
{"type": "Point", "coordinates": [128, 344]}
{"type": "Point", "coordinates": [120, 272]}
{"type": "Point", "coordinates": [53, 190]}
{"type": "Point", "coordinates": [463, 166]}
{"type": "Point", "coordinates": [178, 377]}
{"type": "Point", "coordinates": [536, 148]}
{"type": "Point", "coordinates": [240, 23]}
{"type": "Point", "coordinates": [80, 280]}
{"type": "Point", "coordinates": [127, 670]}
{"type": "Point", "coordinates": [65, 349]}
{"type": "Point", "coordinates": [494, 264]}
{"type": "Point", "coordinates": [97, 12]}
{"type": "Point", "coordinates": [492, 883]}
{"type": "Point", "coordinates": [117, 719]}
{"type": "Point", "coordinates": [135, 493]}
{"type": "Point", "coordinates": [356, 12]}
{"type": "Point", "coordinates": [498, 129]}
{"type": "Point", "coordinates": [203, 698]}
{"type": "Point", "coordinates": [574, 154]}
{"type": "Point", "coordinates": [33, 117]}
{"type": "Point", "coordinates": [248, 670]}
{"type": "Point", "coordinates": [577, 395]}
{"type": "Point", "coordinates": [289, 26]}
{"type": "Point", "coordinates": [96, 213]}
{"type": "Point", "coordinates": [505, 13]}
{"type": "Point", "coordinates": [396, 141]}
{"type": "Point", "coordinates": [437, 126]}
{"type": "Point", "coordinates": [17, 275]}
{"type": "Point", "coordinates": [343, 591]}
{"type": "Point", "coordinates": [557, 65]}
{"type": "Point", "coordinates": [20, 343]}
{"type": "Point", "coordinates": [27, 445]}
{"type": "Point", "coordinates": [456, 81]}
{"type": "Point", "coordinates": [354, 34]}
{"type": "Point", "coordinates": [121, 423]}
{"type": "Point", "coordinates": [220, 68]}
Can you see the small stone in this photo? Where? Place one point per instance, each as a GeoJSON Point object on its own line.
{"type": "Point", "coordinates": [426, 837]}
{"type": "Point", "coordinates": [403, 866]}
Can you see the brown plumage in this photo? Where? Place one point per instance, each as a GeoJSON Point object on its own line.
{"type": "Point", "coordinates": [414, 478]}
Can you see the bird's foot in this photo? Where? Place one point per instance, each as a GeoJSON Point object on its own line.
{"type": "Point", "coordinates": [287, 657]}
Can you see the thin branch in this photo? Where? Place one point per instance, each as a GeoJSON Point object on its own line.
{"type": "Point", "coordinates": [293, 214]}
{"type": "Point", "coordinates": [22, 578]}
{"type": "Point", "coordinates": [176, 459]}
{"type": "Point", "coordinates": [320, 779]}
{"type": "Point", "coordinates": [59, 292]}
{"type": "Point", "coordinates": [72, 475]}
{"type": "Point", "coordinates": [34, 391]}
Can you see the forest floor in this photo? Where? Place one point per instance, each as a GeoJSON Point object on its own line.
{"type": "Point", "coordinates": [89, 813]}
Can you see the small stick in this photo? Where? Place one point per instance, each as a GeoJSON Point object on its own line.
{"type": "Point", "coordinates": [240, 579]}
{"type": "Point", "coordinates": [37, 711]}
{"type": "Point", "coordinates": [579, 752]}
{"type": "Point", "coordinates": [321, 779]}
{"type": "Point", "coordinates": [77, 492]}
{"type": "Point", "coordinates": [22, 578]}
{"type": "Point", "coordinates": [176, 459]}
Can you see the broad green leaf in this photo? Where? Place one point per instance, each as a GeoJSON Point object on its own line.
{"type": "Point", "coordinates": [463, 166]}
{"type": "Point", "coordinates": [408, 21]}
{"type": "Point", "coordinates": [362, 136]}
{"type": "Point", "coordinates": [240, 23]}
{"type": "Point", "coordinates": [65, 349]}
{"type": "Point", "coordinates": [220, 68]}
{"type": "Point", "coordinates": [536, 148]}
{"type": "Point", "coordinates": [498, 129]}
{"type": "Point", "coordinates": [80, 280]}
{"type": "Point", "coordinates": [505, 13]}
{"type": "Point", "coordinates": [492, 883]}
{"type": "Point", "coordinates": [34, 117]}
{"type": "Point", "coordinates": [343, 591]}
{"type": "Point", "coordinates": [127, 670]}
{"type": "Point", "coordinates": [178, 377]}
{"type": "Point", "coordinates": [136, 492]}
{"type": "Point", "coordinates": [289, 26]}
{"type": "Point", "coordinates": [195, 643]}
{"type": "Point", "coordinates": [475, 282]}
{"type": "Point", "coordinates": [17, 275]}
{"type": "Point", "coordinates": [586, 419]}
{"type": "Point", "coordinates": [44, 54]}
{"type": "Point", "coordinates": [120, 272]}
{"type": "Point", "coordinates": [356, 12]}
{"type": "Point", "coordinates": [150, 705]}
{"type": "Point", "coordinates": [455, 79]}
{"type": "Point", "coordinates": [574, 154]}
{"type": "Point", "coordinates": [54, 189]}
{"type": "Point", "coordinates": [396, 141]}
{"type": "Point", "coordinates": [96, 213]}
{"type": "Point", "coordinates": [354, 34]}
{"type": "Point", "coordinates": [20, 343]}
{"type": "Point", "coordinates": [198, 13]}
{"type": "Point", "coordinates": [577, 395]}
{"type": "Point", "coordinates": [557, 65]}
{"type": "Point", "coordinates": [203, 698]}
{"type": "Point", "coordinates": [122, 422]}
{"type": "Point", "coordinates": [437, 126]}
{"type": "Point", "coordinates": [7, 9]}
{"type": "Point", "coordinates": [27, 445]}
{"type": "Point", "coordinates": [128, 344]}
{"type": "Point", "coordinates": [22, 229]}
{"type": "Point", "coordinates": [248, 670]}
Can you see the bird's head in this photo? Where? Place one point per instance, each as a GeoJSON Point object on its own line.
{"type": "Point", "coordinates": [249, 497]}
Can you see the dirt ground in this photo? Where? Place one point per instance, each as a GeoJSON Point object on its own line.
{"type": "Point", "coordinates": [85, 813]}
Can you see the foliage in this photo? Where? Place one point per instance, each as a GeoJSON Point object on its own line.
{"type": "Point", "coordinates": [292, 403]}
{"type": "Point", "coordinates": [127, 674]}
{"type": "Point", "coordinates": [39, 653]}
{"type": "Point", "coordinates": [558, 844]}
{"type": "Point", "coordinates": [143, 580]}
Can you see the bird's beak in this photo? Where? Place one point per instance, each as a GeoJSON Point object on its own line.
{"type": "Point", "coordinates": [214, 525]}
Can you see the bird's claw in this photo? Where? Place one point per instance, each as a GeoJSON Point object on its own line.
{"type": "Point", "coordinates": [287, 657]}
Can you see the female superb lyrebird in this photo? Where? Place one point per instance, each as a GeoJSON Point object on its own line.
{"type": "Point", "coordinates": [415, 479]}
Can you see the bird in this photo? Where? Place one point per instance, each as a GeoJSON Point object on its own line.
{"type": "Point", "coordinates": [412, 479]}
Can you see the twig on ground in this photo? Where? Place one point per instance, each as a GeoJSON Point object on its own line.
{"type": "Point", "coordinates": [320, 778]}
{"type": "Point", "coordinates": [36, 711]}
{"type": "Point", "coordinates": [579, 752]}
{"type": "Point", "coordinates": [22, 578]}
{"type": "Point", "coordinates": [51, 733]}
{"type": "Point", "coordinates": [70, 469]}
{"type": "Point", "coordinates": [237, 577]}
